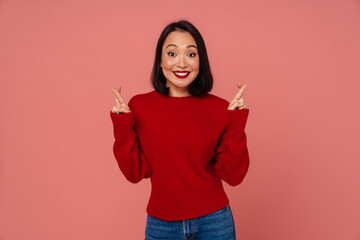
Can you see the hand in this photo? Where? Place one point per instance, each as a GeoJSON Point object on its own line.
{"type": "Point", "coordinates": [121, 105]}
{"type": "Point", "coordinates": [238, 101]}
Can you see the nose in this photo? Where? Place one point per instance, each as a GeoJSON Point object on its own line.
{"type": "Point", "coordinates": [182, 62]}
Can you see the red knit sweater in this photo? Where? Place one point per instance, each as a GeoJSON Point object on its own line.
{"type": "Point", "coordinates": [185, 145]}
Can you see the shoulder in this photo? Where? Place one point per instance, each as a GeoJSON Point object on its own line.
{"type": "Point", "coordinates": [217, 100]}
{"type": "Point", "coordinates": [140, 98]}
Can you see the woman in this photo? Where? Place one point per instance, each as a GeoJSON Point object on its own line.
{"type": "Point", "coordinates": [184, 139]}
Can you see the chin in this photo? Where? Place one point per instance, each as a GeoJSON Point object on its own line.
{"type": "Point", "coordinates": [182, 85]}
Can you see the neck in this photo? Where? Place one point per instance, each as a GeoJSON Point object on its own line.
{"type": "Point", "coordinates": [176, 92]}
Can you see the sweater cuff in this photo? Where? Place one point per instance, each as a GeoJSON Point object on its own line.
{"type": "Point", "coordinates": [123, 121]}
{"type": "Point", "coordinates": [237, 119]}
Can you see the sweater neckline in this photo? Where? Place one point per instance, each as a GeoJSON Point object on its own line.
{"type": "Point", "coordinates": [175, 99]}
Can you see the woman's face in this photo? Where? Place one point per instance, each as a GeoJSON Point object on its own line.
{"type": "Point", "coordinates": [179, 61]}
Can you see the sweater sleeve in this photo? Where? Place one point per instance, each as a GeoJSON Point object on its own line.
{"type": "Point", "coordinates": [231, 156]}
{"type": "Point", "coordinates": [127, 150]}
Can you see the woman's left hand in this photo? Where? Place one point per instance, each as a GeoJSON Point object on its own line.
{"type": "Point", "coordinates": [238, 101]}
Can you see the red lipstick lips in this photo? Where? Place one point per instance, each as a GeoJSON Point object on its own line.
{"type": "Point", "coordinates": [181, 74]}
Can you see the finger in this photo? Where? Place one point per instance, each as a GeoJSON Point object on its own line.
{"type": "Point", "coordinates": [123, 109]}
{"type": "Point", "coordinates": [123, 105]}
{"type": "Point", "coordinates": [242, 105]}
{"type": "Point", "coordinates": [241, 90]}
{"type": "Point", "coordinates": [118, 95]}
{"type": "Point", "coordinates": [114, 110]}
{"type": "Point", "coordinates": [242, 85]}
{"type": "Point", "coordinates": [233, 105]}
{"type": "Point", "coordinates": [232, 101]}
{"type": "Point", "coordinates": [119, 110]}
{"type": "Point", "coordinates": [127, 107]}
{"type": "Point", "coordinates": [236, 100]}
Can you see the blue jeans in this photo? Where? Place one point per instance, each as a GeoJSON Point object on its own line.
{"type": "Point", "coordinates": [217, 225]}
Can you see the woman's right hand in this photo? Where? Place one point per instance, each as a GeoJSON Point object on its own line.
{"type": "Point", "coordinates": [121, 106]}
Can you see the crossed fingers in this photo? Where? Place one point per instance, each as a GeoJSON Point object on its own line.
{"type": "Point", "coordinates": [121, 106]}
{"type": "Point", "coordinates": [238, 101]}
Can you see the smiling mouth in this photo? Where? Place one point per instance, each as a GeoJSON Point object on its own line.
{"type": "Point", "coordinates": [181, 74]}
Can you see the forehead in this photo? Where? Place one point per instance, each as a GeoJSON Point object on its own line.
{"type": "Point", "coordinates": [181, 39]}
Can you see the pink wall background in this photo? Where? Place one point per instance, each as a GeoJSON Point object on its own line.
{"type": "Point", "coordinates": [60, 59]}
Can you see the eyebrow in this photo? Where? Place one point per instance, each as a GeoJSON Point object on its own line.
{"type": "Point", "coordinates": [171, 44]}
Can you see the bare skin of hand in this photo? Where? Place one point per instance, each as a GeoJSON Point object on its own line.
{"type": "Point", "coordinates": [121, 106]}
{"type": "Point", "coordinates": [238, 101]}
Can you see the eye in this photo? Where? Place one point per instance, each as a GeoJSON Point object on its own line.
{"type": "Point", "coordinates": [170, 54]}
{"type": "Point", "coordinates": [192, 54]}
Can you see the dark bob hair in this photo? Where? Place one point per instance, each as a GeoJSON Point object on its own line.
{"type": "Point", "coordinates": [203, 82]}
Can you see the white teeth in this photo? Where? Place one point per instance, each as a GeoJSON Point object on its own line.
{"type": "Point", "coordinates": [181, 74]}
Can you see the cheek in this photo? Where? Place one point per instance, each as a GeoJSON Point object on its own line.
{"type": "Point", "coordinates": [196, 64]}
{"type": "Point", "coordinates": [167, 63]}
